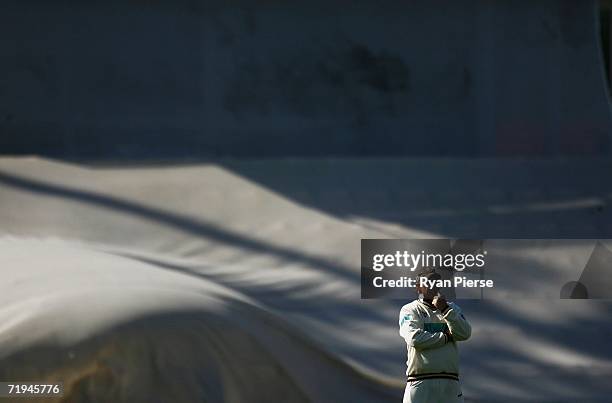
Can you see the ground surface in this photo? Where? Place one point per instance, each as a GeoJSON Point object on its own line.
{"type": "Point", "coordinates": [121, 280]}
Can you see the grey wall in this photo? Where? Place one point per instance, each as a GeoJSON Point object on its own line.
{"type": "Point", "coordinates": [269, 78]}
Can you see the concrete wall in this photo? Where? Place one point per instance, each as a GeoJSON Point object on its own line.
{"type": "Point", "coordinates": [269, 78]}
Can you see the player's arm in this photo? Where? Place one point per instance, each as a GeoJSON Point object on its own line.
{"type": "Point", "coordinates": [411, 329]}
{"type": "Point", "coordinates": [458, 325]}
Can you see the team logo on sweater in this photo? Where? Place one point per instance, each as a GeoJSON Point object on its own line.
{"type": "Point", "coordinates": [405, 318]}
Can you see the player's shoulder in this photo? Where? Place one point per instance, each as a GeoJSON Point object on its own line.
{"type": "Point", "coordinates": [410, 307]}
{"type": "Point", "coordinates": [410, 311]}
{"type": "Point", "coordinates": [456, 309]}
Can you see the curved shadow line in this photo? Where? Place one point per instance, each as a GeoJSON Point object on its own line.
{"type": "Point", "coordinates": [182, 223]}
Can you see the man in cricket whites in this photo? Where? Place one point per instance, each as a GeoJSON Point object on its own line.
{"type": "Point", "coordinates": [432, 327]}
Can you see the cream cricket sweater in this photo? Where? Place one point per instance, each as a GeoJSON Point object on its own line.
{"type": "Point", "coordinates": [431, 353]}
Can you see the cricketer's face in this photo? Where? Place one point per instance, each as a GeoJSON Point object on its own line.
{"type": "Point", "coordinates": [428, 292]}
